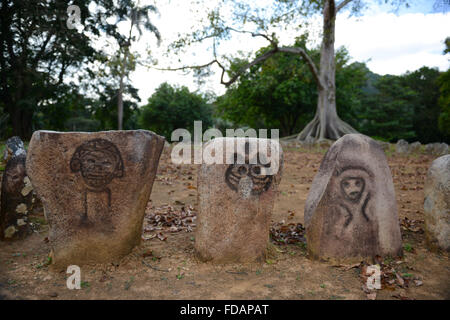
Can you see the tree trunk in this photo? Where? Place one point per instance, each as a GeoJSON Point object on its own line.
{"type": "Point", "coordinates": [326, 124]}
{"type": "Point", "coordinates": [21, 121]}
{"type": "Point", "coordinates": [120, 104]}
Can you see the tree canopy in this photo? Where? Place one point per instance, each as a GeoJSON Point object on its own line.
{"type": "Point", "coordinates": [170, 108]}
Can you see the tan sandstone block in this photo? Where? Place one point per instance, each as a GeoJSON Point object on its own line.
{"type": "Point", "coordinates": [94, 188]}
{"type": "Point", "coordinates": [236, 202]}
{"type": "Point", "coordinates": [351, 210]}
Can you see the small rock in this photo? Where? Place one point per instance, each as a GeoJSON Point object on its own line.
{"type": "Point", "coordinates": [414, 147]}
{"type": "Point", "coordinates": [13, 147]}
{"type": "Point", "coordinates": [27, 188]}
{"type": "Point", "coordinates": [437, 148]}
{"type": "Point", "coordinates": [10, 231]}
{"type": "Point", "coordinates": [402, 147]}
{"type": "Point", "coordinates": [22, 208]}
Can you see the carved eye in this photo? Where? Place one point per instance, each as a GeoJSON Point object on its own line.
{"type": "Point", "coordinates": [357, 183]}
{"type": "Point", "coordinates": [242, 170]}
{"type": "Point", "coordinates": [346, 184]}
{"type": "Point", "coordinates": [256, 170]}
{"type": "Point", "coordinates": [106, 163]}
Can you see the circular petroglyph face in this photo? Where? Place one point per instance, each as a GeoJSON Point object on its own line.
{"type": "Point", "coordinates": [352, 188]}
{"type": "Point", "coordinates": [99, 161]}
{"type": "Point", "coordinates": [248, 178]}
{"type": "Point", "coordinates": [97, 168]}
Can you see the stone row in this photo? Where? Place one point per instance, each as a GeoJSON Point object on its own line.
{"type": "Point", "coordinates": [94, 188]}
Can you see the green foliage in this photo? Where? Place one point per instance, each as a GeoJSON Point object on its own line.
{"type": "Point", "coordinates": [170, 108]}
{"type": "Point", "coordinates": [403, 107]}
{"type": "Point", "coordinates": [281, 92]}
{"type": "Point", "coordinates": [389, 112]}
{"type": "Point", "coordinates": [46, 68]}
{"type": "Point", "coordinates": [5, 128]}
{"type": "Point", "coordinates": [424, 83]}
{"type": "Point", "coordinates": [444, 103]}
{"type": "Point", "coordinates": [351, 86]}
{"type": "Point", "coordinates": [104, 109]}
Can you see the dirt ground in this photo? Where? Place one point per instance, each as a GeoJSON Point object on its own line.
{"type": "Point", "coordinates": [164, 266]}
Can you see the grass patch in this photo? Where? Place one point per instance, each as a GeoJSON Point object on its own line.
{"type": "Point", "coordinates": [38, 220]}
{"type": "Point", "coordinates": [408, 247]}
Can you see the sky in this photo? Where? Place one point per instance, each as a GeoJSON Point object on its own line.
{"type": "Point", "coordinates": [389, 43]}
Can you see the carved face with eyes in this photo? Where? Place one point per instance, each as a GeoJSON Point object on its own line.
{"type": "Point", "coordinates": [248, 178]}
{"type": "Point", "coordinates": [99, 162]}
{"type": "Point", "coordinates": [97, 168]}
{"type": "Point", "coordinates": [352, 188]}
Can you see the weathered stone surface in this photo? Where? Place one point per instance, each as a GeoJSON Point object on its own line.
{"type": "Point", "coordinates": [94, 188]}
{"type": "Point", "coordinates": [414, 147]}
{"type": "Point", "coordinates": [236, 201]}
{"type": "Point", "coordinates": [16, 200]}
{"type": "Point", "coordinates": [402, 147]}
{"type": "Point", "coordinates": [438, 149]}
{"type": "Point", "coordinates": [437, 204]}
{"type": "Point", "coordinates": [351, 211]}
{"type": "Point", "coordinates": [13, 147]}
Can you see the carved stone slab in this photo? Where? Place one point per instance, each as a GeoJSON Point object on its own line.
{"type": "Point", "coordinates": [437, 204]}
{"type": "Point", "coordinates": [16, 200]}
{"type": "Point", "coordinates": [94, 188]}
{"type": "Point", "coordinates": [236, 201]}
{"type": "Point", "coordinates": [351, 210]}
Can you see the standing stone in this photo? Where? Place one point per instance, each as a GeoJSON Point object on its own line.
{"type": "Point", "coordinates": [402, 146]}
{"type": "Point", "coordinates": [236, 199]}
{"type": "Point", "coordinates": [94, 188]}
{"type": "Point", "coordinates": [414, 147]}
{"type": "Point", "coordinates": [437, 204]}
{"type": "Point", "coordinates": [13, 147]}
{"type": "Point", "coordinates": [351, 211]}
{"type": "Point", "coordinates": [16, 200]}
{"type": "Point", "coordinates": [437, 149]}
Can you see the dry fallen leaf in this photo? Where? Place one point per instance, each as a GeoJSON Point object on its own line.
{"type": "Point", "coordinates": [400, 280]}
{"type": "Point", "coordinates": [418, 283]}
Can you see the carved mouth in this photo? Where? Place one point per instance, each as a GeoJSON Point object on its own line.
{"type": "Point", "coordinates": [354, 194]}
{"type": "Point", "coordinates": [97, 176]}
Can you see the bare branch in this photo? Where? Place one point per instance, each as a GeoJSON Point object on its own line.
{"type": "Point", "coordinates": [187, 67]}
{"type": "Point", "coordinates": [342, 4]}
{"type": "Point", "coordinates": [273, 42]}
{"type": "Point", "coordinates": [260, 59]}
{"type": "Point", "coordinates": [295, 50]}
